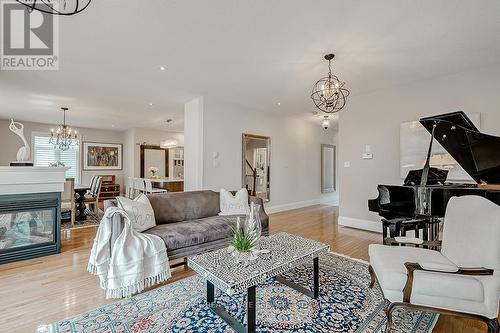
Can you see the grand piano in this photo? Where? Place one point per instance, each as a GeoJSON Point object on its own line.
{"type": "Point", "coordinates": [425, 192]}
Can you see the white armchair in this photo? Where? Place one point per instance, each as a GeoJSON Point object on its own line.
{"type": "Point", "coordinates": [463, 279]}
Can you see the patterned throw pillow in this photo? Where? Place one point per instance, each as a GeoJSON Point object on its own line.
{"type": "Point", "coordinates": [233, 205]}
{"type": "Point", "coordinates": [140, 211]}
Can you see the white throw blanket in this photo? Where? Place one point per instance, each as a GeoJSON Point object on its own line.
{"type": "Point", "coordinates": [137, 260]}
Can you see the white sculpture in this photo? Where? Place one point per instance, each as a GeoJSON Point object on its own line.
{"type": "Point", "coordinates": [24, 153]}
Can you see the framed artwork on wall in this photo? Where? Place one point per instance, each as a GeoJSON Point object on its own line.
{"type": "Point", "coordinates": [102, 156]}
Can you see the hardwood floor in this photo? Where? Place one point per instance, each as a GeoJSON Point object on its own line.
{"type": "Point", "coordinates": [45, 290]}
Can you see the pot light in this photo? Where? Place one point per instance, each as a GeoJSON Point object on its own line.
{"type": "Point", "coordinates": [279, 103]}
{"type": "Point", "coordinates": [162, 68]}
{"type": "Point", "coordinates": [150, 104]}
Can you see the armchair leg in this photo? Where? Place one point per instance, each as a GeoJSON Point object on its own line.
{"type": "Point", "coordinates": [493, 325]}
{"type": "Point", "coordinates": [372, 276]}
{"type": "Point", "coordinates": [390, 307]}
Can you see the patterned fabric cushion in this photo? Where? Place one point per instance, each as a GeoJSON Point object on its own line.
{"type": "Point", "coordinates": [139, 210]}
{"type": "Point", "coordinates": [233, 205]}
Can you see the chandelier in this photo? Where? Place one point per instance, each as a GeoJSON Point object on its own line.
{"type": "Point", "coordinates": [329, 94]}
{"type": "Point", "coordinates": [63, 137]}
{"type": "Point", "coordinates": [56, 7]}
{"type": "Point", "coordinates": [169, 143]}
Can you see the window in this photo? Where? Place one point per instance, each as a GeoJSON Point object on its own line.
{"type": "Point", "coordinates": [44, 154]}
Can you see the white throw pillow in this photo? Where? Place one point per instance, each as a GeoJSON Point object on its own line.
{"type": "Point", "coordinates": [139, 210]}
{"type": "Point", "coordinates": [233, 205]}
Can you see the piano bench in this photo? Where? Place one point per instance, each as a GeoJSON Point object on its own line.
{"type": "Point", "coordinates": [398, 227]}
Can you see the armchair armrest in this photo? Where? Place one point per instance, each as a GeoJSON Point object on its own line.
{"type": "Point", "coordinates": [411, 267]}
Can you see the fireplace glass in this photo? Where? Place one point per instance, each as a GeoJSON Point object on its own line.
{"type": "Point", "coordinates": [22, 229]}
{"type": "Point", "coordinates": [30, 226]}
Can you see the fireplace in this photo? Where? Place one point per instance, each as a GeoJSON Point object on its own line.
{"type": "Point", "coordinates": [29, 226]}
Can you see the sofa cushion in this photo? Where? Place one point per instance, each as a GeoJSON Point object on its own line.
{"type": "Point", "coordinates": [184, 206]}
{"type": "Point", "coordinates": [388, 264]}
{"type": "Point", "coordinates": [192, 233]}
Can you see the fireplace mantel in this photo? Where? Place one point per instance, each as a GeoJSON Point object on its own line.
{"type": "Point", "coordinates": [26, 179]}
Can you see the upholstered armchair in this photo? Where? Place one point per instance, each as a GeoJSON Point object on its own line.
{"type": "Point", "coordinates": [463, 279]}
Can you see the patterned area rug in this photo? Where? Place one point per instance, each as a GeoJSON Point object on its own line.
{"type": "Point", "coordinates": [346, 304]}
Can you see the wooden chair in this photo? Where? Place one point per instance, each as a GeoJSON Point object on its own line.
{"type": "Point", "coordinates": [68, 199]}
{"type": "Point", "coordinates": [149, 189]}
{"type": "Point", "coordinates": [92, 196]}
{"type": "Point", "coordinates": [463, 279]}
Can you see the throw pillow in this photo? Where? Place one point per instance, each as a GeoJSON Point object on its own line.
{"type": "Point", "coordinates": [139, 210]}
{"type": "Point", "coordinates": [233, 205]}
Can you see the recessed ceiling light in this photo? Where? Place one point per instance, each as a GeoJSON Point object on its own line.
{"type": "Point", "coordinates": [162, 68]}
{"type": "Point", "coordinates": [150, 104]}
{"type": "Point", "coordinates": [279, 103]}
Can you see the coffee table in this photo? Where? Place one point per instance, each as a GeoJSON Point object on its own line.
{"type": "Point", "coordinates": [221, 270]}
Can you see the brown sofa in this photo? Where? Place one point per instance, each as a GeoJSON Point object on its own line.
{"type": "Point", "coordinates": [188, 222]}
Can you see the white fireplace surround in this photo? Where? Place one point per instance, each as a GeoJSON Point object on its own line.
{"type": "Point", "coordinates": [26, 179]}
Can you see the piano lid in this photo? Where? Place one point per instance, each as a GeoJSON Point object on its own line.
{"type": "Point", "coordinates": [476, 152]}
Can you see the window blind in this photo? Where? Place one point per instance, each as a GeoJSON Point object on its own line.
{"type": "Point", "coordinates": [44, 154]}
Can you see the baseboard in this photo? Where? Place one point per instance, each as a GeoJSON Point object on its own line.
{"type": "Point", "coordinates": [352, 222]}
{"type": "Point", "coordinates": [301, 204]}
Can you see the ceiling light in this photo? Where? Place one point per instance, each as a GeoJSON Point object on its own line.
{"type": "Point", "coordinates": [329, 94]}
{"type": "Point", "coordinates": [64, 7]}
{"type": "Point", "coordinates": [163, 68]}
{"type": "Point", "coordinates": [169, 143]}
{"type": "Point", "coordinates": [279, 103]}
{"type": "Point", "coordinates": [64, 137]}
{"type": "Point", "coordinates": [150, 104]}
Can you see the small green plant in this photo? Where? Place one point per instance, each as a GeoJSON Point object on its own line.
{"type": "Point", "coordinates": [242, 241]}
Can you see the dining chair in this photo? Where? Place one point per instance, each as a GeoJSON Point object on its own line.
{"type": "Point", "coordinates": [92, 196]}
{"type": "Point", "coordinates": [68, 199]}
{"type": "Point", "coordinates": [139, 186]}
{"type": "Point", "coordinates": [130, 193]}
{"type": "Point", "coordinates": [150, 189]}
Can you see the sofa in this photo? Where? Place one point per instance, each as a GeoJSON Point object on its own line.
{"type": "Point", "coordinates": [188, 222]}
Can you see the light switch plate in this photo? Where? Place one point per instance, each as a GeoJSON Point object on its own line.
{"type": "Point", "coordinates": [347, 164]}
{"type": "Point", "coordinates": [367, 156]}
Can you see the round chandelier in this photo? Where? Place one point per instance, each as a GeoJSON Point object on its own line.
{"type": "Point", "coordinates": [63, 137]}
{"type": "Point", "coordinates": [329, 94]}
{"type": "Point", "coordinates": [56, 7]}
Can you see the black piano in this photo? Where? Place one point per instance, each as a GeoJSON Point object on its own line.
{"type": "Point", "coordinates": [425, 192]}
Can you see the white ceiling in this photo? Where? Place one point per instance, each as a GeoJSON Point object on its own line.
{"type": "Point", "coordinates": [254, 53]}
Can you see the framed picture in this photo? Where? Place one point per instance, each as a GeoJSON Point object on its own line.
{"type": "Point", "coordinates": [102, 156]}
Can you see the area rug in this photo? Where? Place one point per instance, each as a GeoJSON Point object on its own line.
{"type": "Point", "coordinates": [346, 304]}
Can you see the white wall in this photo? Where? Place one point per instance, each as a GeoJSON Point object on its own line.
{"type": "Point", "coordinates": [295, 153]}
{"type": "Point", "coordinates": [193, 145]}
{"type": "Point", "coordinates": [374, 119]}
